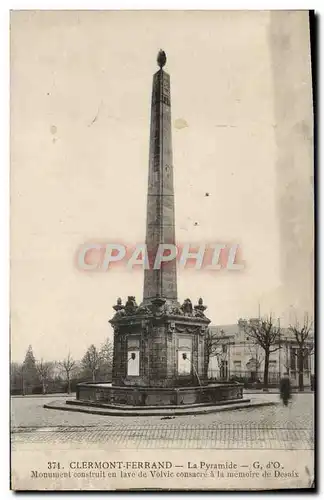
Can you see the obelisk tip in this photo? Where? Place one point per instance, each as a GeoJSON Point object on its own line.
{"type": "Point", "coordinates": [161, 58]}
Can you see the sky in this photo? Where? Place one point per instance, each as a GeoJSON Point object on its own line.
{"type": "Point", "coordinates": [80, 117]}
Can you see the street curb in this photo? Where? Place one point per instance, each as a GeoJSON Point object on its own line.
{"type": "Point", "coordinates": [251, 391]}
{"type": "Point", "coordinates": [176, 412]}
{"type": "Point", "coordinates": [155, 408]}
{"type": "Point", "coordinates": [28, 396]}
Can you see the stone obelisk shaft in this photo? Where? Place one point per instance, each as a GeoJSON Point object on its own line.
{"type": "Point", "coordinates": [160, 223]}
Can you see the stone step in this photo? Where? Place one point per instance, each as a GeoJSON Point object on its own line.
{"type": "Point", "coordinates": [155, 407]}
{"type": "Point", "coordinates": [150, 412]}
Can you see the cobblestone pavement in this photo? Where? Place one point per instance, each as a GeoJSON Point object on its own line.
{"type": "Point", "coordinates": [233, 436]}
{"type": "Point", "coordinates": [271, 427]}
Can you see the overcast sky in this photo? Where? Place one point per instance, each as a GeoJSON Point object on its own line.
{"type": "Point", "coordinates": [80, 111]}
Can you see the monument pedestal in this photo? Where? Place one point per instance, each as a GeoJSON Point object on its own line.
{"type": "Point", "coordinates": [159, 344]}
{"type": "Point", "coordinates": [159, 359]}
{"type": "Point", "coordinates": [159, 397]}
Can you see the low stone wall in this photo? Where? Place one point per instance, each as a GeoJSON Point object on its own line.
{"type": "Point", "coordinates": [149, 396]}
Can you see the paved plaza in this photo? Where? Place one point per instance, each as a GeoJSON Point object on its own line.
{"type": "Point", "coordinates": [269, 427]}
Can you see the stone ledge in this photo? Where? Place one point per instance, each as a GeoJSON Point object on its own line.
{"type": "Point", "coordinates": [142, 408]}
{"type": "Point", "coordinates": [149, 412]}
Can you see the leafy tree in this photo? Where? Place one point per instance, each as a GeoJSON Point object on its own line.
{"type": "Point", "coordinates": [305, 345]}
{"type": "Point", "coordinates": [29, 375]}
{"type": "Point", "coordinates": [266, 334]}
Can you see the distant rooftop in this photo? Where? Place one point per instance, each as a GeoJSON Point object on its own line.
{"type": "Point", "coordinates": [234, 330]}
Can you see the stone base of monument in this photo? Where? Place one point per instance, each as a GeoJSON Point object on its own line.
{"type": "Point", "coordinates": [158, 397]}
{"type": "Point", "coordinates": [106, 399]}
{"type": "Point", "coordinates": [113, 410]}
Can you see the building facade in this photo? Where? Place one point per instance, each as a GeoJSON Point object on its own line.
{"type": "Point", "coordinates": [238, 357]}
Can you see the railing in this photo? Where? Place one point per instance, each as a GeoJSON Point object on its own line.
{"type": "Point", "coordinates": [249, 378]}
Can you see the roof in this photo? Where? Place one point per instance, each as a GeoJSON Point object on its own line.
{"type": "Point", "coordinates": [234, 330]}
{"type": "Point", "coordinates": [228, 329]}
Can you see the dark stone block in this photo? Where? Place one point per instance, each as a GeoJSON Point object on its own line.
{"type": "Point", "coordinates": [158, 396]}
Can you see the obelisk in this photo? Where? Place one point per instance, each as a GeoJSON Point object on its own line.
{"type": "Point", "coordinates": [160, 220]}
{"type": "Point", "coordinates": [159, 346]}
{"type": "Point", "coordinates": [159, 343]}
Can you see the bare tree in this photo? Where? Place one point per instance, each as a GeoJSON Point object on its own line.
{"type": "Point", "coordinates": [91, 361]}
{"type": "Point", "coordinates": [213, 340]}
{"type": "Point", "coordinates": [286, 357]}
{"type": "Point", "coordinates": [68, 365]}
{"type": "Point", "coordinates": [305, 345]}
{"type": "Point", "coordinates": [254, 350]}
{"type": "Point", "coordinates": [266, 334]}
{"type": "Point", "coordinates": [44, 371]}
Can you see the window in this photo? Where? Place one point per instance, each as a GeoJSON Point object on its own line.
{"type": "Point", "coordinates": [293, 358]}
{"type": "Point", "coordinates": [224, 370]}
